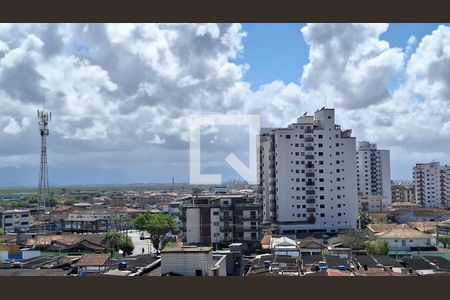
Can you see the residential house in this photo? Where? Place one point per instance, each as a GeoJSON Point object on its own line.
{"type": "Point", "coordinates": [93, 263]}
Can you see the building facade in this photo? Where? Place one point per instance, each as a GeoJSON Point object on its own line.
{"type": "Point", "coordinates": [403, 193]}
{"type": "Point", "coordinates": [16, 220]}
{"type": "Point", "coordinates": [373, 171]}
{"type": "Point", "coordinates": [432, 185]}
{"type": "Point", "coordinates": [221, 219]}
{"type": "Point", "coordinates": [307, 175]}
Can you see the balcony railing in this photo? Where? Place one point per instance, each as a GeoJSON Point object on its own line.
{"type": "Point", "coordinates": [310, 201]}
{"type": "Point", "coordinates": [226, 229]}
{"type": "Point", "coordinates": [309, 174]}
{"type": "Point", "coordinates": [309, 139]}
{"type": "Point", "coordinates": [310, 209]}
{"type": "Point", "coordinates": [309, 156]}
{"type": "Point", "coordinates": [226, 218]}
{"type": "Point", "coordinates": [310, 192]}
{"type": "Point", "coordinates": [309, 148]}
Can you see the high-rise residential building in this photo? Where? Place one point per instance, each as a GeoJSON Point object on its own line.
{"type": "Point", "coordinates": [432, 184]}
{"type": "Point", "coordinates": [373, 172]}
{"type": "Point", "coordinates": [307, 175]}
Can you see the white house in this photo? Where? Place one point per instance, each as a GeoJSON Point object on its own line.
{"type": "Point", "coordinates": [401, 239]}
{"type": "Point", "coordinates": [16, 220]}
{"type": "Point", "coordinates": [284, 246]}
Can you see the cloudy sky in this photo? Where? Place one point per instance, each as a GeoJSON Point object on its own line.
{"type": "Point", "coordinates": [122, 95]}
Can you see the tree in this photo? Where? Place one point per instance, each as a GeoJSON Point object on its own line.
{"type": "Point", "coordinates": [377, 247]}
{"type": "Point", "coordinates": [156, 225]}
{"type": "Point", "coordinates": [444, 239]}
{"type": "Point", "coordinates": [365, 219]}
{"type": "Point", "coordinates": [115, 241]}
{"type": "Point", "coordinates": [353, 239]}
{"type": "Point", "coordinates": [2, 232]}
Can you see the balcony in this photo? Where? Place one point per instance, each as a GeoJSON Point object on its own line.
{"type": "Point", "coordinates": [310, 209]}
{"type": "Point", "coordinates": [311, 219]}
{"type": "Point", "coordinates": [309, 174]}
{"type": "Point", "coordinates": [310, 201]}
{"type": "Point", "coordinates": [310, 183]}
{"type": "Point", "coordinates": [247, 229]}
{"type": "Point", "coordinates": [246, 218]}
{"type": "Point", "coordinates": [226, 229]}
{"type": "Point", "coordinates": [309, 130]}
{"type": "Point", "coordinates": [309, 156]}
{"type": "Point", "coordinates": [226, 218]}
{"type": "Point", "coordinates": [309, 148]}
{"type": "Point", "coordinates": [310, 192]}
{"type": "Point", "coordinates": [309, 139]}
{"type": "Point", "coordinates": [309, 166]}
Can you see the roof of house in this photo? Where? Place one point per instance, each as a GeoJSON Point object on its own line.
{"type": "Point", "coordinates": [93, 260]}
{"type": "Point", "coordinates": [418, 263]}
{"type": "Point", "coordinates": [310, 241]}
{"type": "Point", "coordinates": [67, 240]}
{"type": "Point", "coordinates": [403, 233]}
{"type": "Point", "coordinates": [379, 272]}
{"type": "Point", "coordinates": [187, 249]}
{"type": "Point", "coordinates": [283, 242]}
{"type": "Point", "coordinates": [377, 228]}
{"type": "Point", "coordinates": [427, 227]}
{"type": "Point", "coordinates": [34, 272]}
{"type": "Point", "coordinates": [330, 272]}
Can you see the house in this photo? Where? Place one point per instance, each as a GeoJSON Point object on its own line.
{"type": "Point", "coordinates": [419, 215]}
{"type": "Point", "coordinates": [80, 243]}
{"type": "Point", "coordinates": [401, 241]}
{"type": "Point", "coordinates": [93, 263]}
{"type": "Point", "coordinates": [190, 261]}
{"type": "Point", "coordinates": [310, 246]}
{"type": "Point", "coordinates": [284, 246]}
{"type": "Point", "coordinates": [274, 265]}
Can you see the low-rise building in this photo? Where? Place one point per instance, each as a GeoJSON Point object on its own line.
{"type": "Point", "coordinates": [189, 261]}
{"type": "Point", "coordinates": [221, 220]}
{"type": "Point", "coordinates": [93, 263]}
{"type": "Point", "coordinates": [16, 220]}
{"type": "Point", "coordinates": [372, 203]}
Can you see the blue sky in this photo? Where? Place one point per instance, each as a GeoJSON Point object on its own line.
{"type": "Point", "coordinates": [278, 51]}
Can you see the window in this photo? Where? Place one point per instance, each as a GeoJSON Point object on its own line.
{"type": "Point", "coordinates": [198, 273]}
{"type": "Point", "coordinates": [216, 224]}
{"type": "Point", "coordinates": [320, 136]}
{"type": "Point", "coordinates": [288, 136]}
{"type": "Point", "coordinates": [215, 213]}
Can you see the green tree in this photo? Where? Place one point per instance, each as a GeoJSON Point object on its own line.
{"type": "Point", "coordinates": [365, 219]}
{"type": "Point", "coordinates": [115, 241]}
{"type": "Point", "coordinates": [156, 225]}
{"type": "Point", "coordinates": [353, 239]}
{"type": "Point", "coordinates": [444, 239]}
{"type": "Point", "coordinates": [377, 247]}
{"type": "Point", "coordinates": [2, 232]}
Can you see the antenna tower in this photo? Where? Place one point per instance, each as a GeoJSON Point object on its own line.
{"type": "Point", "coordinates": [44, 118]}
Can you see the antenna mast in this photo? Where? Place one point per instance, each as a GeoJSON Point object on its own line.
{"type": "Point", "coordinates": [44, 118]}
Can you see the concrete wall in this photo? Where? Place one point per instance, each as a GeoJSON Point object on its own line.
{"type": "Point", "coordinates": [192, 225]}
{"type": "Point", "coordinates": [187, 263]}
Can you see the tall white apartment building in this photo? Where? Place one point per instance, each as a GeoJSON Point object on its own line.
{"type": "Point", "coordinates": [373, 172]}
{"type": "Point", "coordinates": [307, 176]}
{"type": "Point", "coordinates": [432, 184]}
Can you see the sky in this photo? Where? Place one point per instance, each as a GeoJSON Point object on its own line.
{"type": "Point", "coordinates": [122, 95]}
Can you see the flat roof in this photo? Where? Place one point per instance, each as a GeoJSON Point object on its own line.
{"type": "Point", "coordinates": [187, 250]}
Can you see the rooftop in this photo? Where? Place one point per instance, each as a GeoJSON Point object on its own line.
{"type": "Point", "coordinates": [403, 233]}
{"type": "Point", "coordinates": [187, 250]}
{"type": "Point", "coordinates": [93, 260]}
